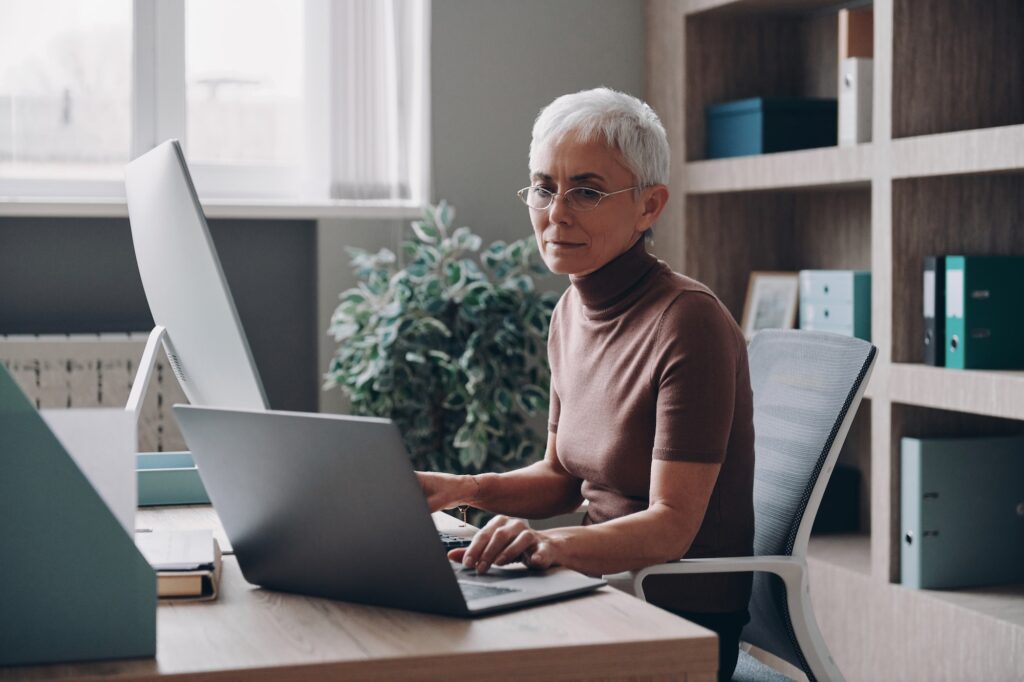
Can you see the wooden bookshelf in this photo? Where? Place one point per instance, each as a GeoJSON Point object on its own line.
{"type": "Point", "coordinates": [837, 167]}
{"type": "Point", "coordinates": [944, 173]}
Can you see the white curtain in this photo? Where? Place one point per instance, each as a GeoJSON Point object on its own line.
{"type": "Point", "coordinates": [379, 118]}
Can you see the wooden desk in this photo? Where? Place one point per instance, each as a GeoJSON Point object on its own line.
{"type": "Point", "coordinates": [253, 634]}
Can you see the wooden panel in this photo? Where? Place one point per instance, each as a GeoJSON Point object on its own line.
{"type": "Point", "coordinates": [973, 151]}
{"type": "Point", "coordinates": [730, 235]}
{"type": "Point", "coordinates": [996, 394]}
{"type": "Point", "coordinates": [833, 230]}
{"type": "Point", "coordinates": [885, 480]}
{"type": "Point", "coordinates": [807, 168]}
{"type": "Point", "coordinates": [922, 422]}
{"type": "Point", "coordinates": [978, 215]}
{"type": "Point", "coordinates": [957, 65]}
{"type": "Point", "coordinates": [664, 92]}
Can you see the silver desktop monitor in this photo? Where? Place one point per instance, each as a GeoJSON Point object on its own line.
{"type": "Point", "coordinates": [185, 286]}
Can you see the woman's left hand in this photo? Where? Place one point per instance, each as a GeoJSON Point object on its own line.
{"type": "Point", "coordinates": [505, 540]}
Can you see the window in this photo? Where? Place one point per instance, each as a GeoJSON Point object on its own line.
{"type": "Point", "coordinates": [285, 99]}
{"type": "Point", "coordinates": [65, 87]}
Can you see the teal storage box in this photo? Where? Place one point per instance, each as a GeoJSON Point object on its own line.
{"type": "Point", "coordinates": [837, 301]}
{"type": "Point", "coordinates": [74, 585]}
{"type": "Point", "coordinates": [984, 320]}
{"type": "Point", "coordinates": [961, 511]}
{"type": "Point", "coordinates": [763, 125]}
{"type": "Point", "coordinates": [169, 478]}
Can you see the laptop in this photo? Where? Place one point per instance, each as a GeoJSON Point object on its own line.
{"type": "Point", "coordinates": [329, 506]}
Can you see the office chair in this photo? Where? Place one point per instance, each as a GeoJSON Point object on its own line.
{"type": "Point", "coordinates": [807, 387]}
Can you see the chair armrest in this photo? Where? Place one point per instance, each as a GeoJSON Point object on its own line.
{"type": "Point", "coordinates": [789, 568]}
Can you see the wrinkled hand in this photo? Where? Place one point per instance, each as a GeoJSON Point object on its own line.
{"type": "Point", "coordinates": [504, 541]}
{"type": "Point", "coordinates": [443, 491]}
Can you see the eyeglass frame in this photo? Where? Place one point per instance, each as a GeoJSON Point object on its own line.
{"type": "Point", "coordinates": [554, 195]}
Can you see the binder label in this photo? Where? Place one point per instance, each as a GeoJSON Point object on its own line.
{"type": "Point", "coordinates": [954, 293]}
{"type": "Point", "coordinates": [929, 293]}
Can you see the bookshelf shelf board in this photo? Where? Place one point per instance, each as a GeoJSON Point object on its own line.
{"type": "Point", "coordinates": [987, 150]}
{"type": "Point", "coordinates": [849, 550]}
{"type": "Point", "coordinates": [761, 7]}
{"type": "Point", "coordinates": [990, 393]}
{"type": "Point", "coordinates": [808, 168]}
{"type": "Point", "coordinates": [1004, 603]}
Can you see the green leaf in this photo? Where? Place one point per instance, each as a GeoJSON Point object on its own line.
{"type": "Point", "coordinates": [426, 232]}
{"type": "Point", "coordinates": [503, 399]}
{"type": "Point", "coordinates": [432, 323]}
{"type": "Point", "coordinates": [444, 215]}
{"type": "Point", "coordinates": [443, 344]}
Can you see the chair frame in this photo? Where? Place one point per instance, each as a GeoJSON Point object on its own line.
{"type": "Point", "coordinates": [792, 569]}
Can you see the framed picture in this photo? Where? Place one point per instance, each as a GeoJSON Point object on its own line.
{"type": "Point", "coordinates": [771, 302]}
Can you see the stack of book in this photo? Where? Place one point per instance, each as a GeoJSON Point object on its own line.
{"type": "Point", "coordinates": [187, 563]}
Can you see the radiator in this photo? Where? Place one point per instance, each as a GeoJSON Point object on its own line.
{"type": "Point", "coordinates": [96, 370]}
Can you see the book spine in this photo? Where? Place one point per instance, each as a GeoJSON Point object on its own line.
{"type": "Point", "coordinates": [956, 341]}
{"type": "Point", "coordinates": [910, 512]}
{"type": "Point", "coordinates": [934, 298]}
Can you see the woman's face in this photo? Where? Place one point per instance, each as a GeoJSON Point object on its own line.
{"type": "Point", "coordinates": [578, 243]}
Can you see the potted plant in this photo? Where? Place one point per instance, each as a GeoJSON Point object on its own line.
{"type": "Point", "coordinates": [452, 346]}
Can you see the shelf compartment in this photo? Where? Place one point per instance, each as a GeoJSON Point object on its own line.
{"type": "Point", "coordinates": [956, 66]}
{"type": "Point", "coordinates": [730, 235]}
{"type": "Point", "coordinates": [851, 551]}
{"type": "Point", "coordinates": [743, 50]}
{"type": "Point", "coordinates": [957, 214]}
{"type": "Point", "coordinates": [808, 168]}
{"type": "Point", "coordinates": [989, 150]}
{"type": "Point", "coordinates": [879, 631]}
{"type": "Point", "coordinates": [748, 7]}
{"type": "Point", "coordinates": [995, 394]}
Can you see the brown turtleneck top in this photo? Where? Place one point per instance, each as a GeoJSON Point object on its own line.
{"type": "Point", "coordinates": [648, 364]}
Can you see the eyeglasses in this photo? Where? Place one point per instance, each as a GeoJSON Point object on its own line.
{"type": "Point", "coordinates": [577, 198]}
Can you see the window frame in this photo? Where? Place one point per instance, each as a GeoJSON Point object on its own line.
{"type": "Point", "coordinates": [158, 113]}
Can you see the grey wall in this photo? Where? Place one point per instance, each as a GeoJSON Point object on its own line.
{"type": "Point", "coordinates": [494, 65]}
{"type": "Point", "coordinates": [67, 275]}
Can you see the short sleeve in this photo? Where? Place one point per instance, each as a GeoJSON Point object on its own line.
{"type": "Point", "coordinates": [554, 404]}
{"type": "Point", "coordinates": [697, 355]}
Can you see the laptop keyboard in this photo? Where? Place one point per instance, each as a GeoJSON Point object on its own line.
{"type": "Point", "coordinates": [453, 541]}
{"type": "Point", "coordinates": [471, 591]}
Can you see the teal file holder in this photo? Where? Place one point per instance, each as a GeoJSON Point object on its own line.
{"type": "Point", "coordinates": [75, 588]}
{"type": "Point", "coordinates": [167, 478]}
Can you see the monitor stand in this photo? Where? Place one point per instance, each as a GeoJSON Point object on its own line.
{"type": "Point", "coordinates": [146, 364]}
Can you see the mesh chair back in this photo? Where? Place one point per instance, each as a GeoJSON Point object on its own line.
{"type": "Point", "coordinates": [804, 385]}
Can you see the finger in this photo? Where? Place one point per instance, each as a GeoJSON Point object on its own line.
{"type": "Point", "coordinates": [540, 556]}
{"type": "Point", "coordinates": [480, 540]}
{"type": "Point", "coordinates": [499, 540]}
{"type": "Point", "coordinates": [525, 542]}
{"type": "Point", "coordinates": [456, 554]}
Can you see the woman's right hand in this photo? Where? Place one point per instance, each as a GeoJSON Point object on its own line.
{"type": "Point", "coordinates": [446, 491]}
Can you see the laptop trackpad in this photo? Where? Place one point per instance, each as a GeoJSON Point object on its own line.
{"type": "Point", "coordinates": [494, 575]}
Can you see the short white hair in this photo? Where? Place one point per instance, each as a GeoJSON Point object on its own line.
{"type": "Point", "coordinates": [622, 121]}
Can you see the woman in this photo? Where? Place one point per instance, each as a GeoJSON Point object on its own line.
{"type": "Point", "coordinates": [651, 415]}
